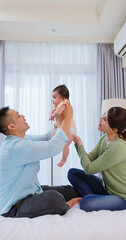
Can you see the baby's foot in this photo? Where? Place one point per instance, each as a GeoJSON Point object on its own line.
{"type": "Point", "coordinates": [61, 163]}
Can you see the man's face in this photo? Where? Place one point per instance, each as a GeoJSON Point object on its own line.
{"type": "Point", "coordinates": [16, 121]}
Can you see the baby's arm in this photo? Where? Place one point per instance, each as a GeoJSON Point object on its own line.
{"type": "Point", "coordinates": [58, 111]}
{"type": "Point", "coordinates": [51, 115]}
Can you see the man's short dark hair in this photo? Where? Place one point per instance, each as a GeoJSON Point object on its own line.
{"type": "Point", "coordinates": [3, 120]}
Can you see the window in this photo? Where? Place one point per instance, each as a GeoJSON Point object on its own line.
{"type": "Point", "coordinates": [33, 70]}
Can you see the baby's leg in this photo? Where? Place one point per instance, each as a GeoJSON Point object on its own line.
{"type": "Point", "coordinates": [65, 151]}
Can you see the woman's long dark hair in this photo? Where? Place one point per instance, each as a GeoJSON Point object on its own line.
{"type": "Point", "coordinates": [117, 119]}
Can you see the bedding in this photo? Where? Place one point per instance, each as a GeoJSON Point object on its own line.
{"type": "Point", "coordinates": [76, 224]}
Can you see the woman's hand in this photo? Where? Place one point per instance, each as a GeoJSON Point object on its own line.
{"type": "Point", "coordinates": [77, 140]}
{"type": "Point", "coordinates": [73, 201]}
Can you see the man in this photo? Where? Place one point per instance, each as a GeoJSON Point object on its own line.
{"type": "Point", "coordinates": [20, 192]}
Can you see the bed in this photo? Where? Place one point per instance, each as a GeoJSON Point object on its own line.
{"type": "Point", "coordinates": [76, 224]}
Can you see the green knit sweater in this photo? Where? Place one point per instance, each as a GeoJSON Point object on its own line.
{"type": "Point", "coordinates": [110, 160]}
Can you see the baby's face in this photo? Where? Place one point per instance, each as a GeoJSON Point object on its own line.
{"type": "Point", "coordinates": [56, 98]}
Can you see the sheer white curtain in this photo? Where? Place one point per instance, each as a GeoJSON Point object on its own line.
{"type": "Point", "coordinates": [2, 79]}
{"type": "Point", "coordinates": [33, 70]}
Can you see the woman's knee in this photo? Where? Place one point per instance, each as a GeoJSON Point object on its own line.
{"type": "Point", "coordinates": [89, 203]}
{"type": "Point", "coordinates": [83, 204]}
{"type": "Point", "coordinates": [75, 172]}
{"type": "Point", "coordinates": [71, 173]}
{"type": "Point", "coordinates": [94, 202]}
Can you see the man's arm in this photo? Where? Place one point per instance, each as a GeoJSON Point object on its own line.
{"type": "Point", "coordinates": [44, 137]}
{"type": "Point", "coordinates": [68, 115]}
{"type": "Point", "coordinates": [27, 151]}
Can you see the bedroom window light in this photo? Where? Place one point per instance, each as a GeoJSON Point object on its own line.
{"type": "Point", "coordinates": [34, 71]}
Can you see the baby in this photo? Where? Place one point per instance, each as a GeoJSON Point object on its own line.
{"type": "Point", "coordinates": [60, 97]}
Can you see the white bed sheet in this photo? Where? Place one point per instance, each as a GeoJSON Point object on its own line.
{"type": "Point", "coordinates": [74, 225]}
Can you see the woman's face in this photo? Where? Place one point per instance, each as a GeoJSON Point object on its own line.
{"type": "Point", "coordinates": [56, 98]}
{"type": "Point", "coordinates": [104, 124]}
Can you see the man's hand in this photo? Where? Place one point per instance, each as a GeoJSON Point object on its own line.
{"type": "Point", "coordinates": [68, 111]}
{"type": "Point", "coordinates": [67, 115]}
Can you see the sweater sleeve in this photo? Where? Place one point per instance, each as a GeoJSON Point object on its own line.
{"type": "Point", "coordinates": [109, 158]}
{"type": "Point", "coordinates": [92, 155]}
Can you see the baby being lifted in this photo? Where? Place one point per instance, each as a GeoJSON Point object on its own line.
{"type": "Point", "coordinates": [60, 97]}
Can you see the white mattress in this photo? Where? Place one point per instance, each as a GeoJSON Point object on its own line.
{"type": "Point", "coordinates": [74, 225]}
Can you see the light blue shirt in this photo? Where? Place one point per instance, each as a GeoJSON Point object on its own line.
{"type": "Point", "coordinates": [19, 164]}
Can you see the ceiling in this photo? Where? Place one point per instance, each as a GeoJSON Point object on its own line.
{"type": "Point", "coordinates": [61, 20]}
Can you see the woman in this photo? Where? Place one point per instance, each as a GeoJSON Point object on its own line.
{"type": "Point", "coordinates": [109, 158]}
